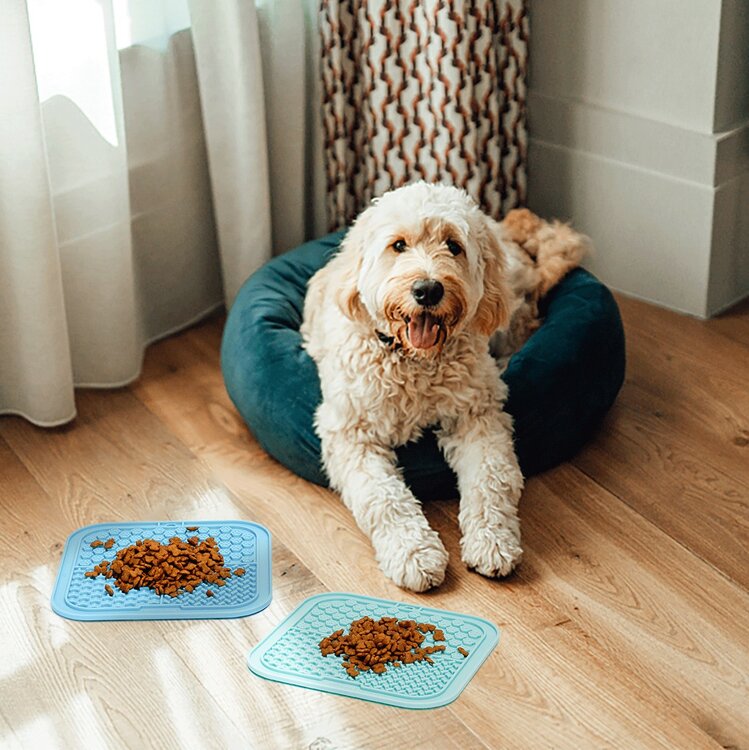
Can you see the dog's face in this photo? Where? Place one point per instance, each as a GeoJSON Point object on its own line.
{"type": "Point", "coordinates": [421, 264]}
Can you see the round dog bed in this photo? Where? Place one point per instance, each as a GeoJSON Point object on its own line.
{"type": "Point", "coordinates": [561, 382]}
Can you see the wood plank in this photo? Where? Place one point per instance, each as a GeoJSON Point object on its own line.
{"type": "Point", "coordinates": [733, 324]}
{"type": "Point", "coordinates": [558, 685]}
{"type": "Point", "coordinates": [614, 634]}
{"type": "Point", "coordinates": [703, 376]}
{"type": "Point", "coordinates": [673, 446]}
{"type": "Point", "coordinates": [682, 626]}
{"type": "Point", "coordinates": [186, 683]}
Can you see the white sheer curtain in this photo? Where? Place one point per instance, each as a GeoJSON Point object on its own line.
{"type": "Point", "coordinates": [153, 153]}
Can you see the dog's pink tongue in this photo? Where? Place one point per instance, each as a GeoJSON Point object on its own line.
{"type": "Point", "coordinates": [423, 331]}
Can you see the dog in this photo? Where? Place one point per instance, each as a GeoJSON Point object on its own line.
{"type": "Point", "coordinates": [409, 324]}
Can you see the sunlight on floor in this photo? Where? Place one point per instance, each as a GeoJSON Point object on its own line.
{"type": "Point", "coordinates": [40, 733]}
{"type": "Point", "coordinates": [214, 666]}
{"type": "Point", "coordinates": [89, 729]}
{"type": "Point", "coordinates": [214, 504]}
{"type": "Point", "coordinates": [175, 697]}
{"type": "Point", "coordinates": [184, 706]}
{"type": "Point", "coordinates": [17, 650]}
{"type": "Point", "coordinates": [56, 628]}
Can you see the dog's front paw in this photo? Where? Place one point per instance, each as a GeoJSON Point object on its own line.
{"type": "Point", "coordinates": [414, 560]}
{"type": "Point", "coordinates": [492, 551]}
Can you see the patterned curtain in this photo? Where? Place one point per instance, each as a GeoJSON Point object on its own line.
{"type": "Point", "coordinates": [423, 89]}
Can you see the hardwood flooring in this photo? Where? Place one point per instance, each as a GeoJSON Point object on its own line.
{"type": "Point", "coordinates": [626, 626]}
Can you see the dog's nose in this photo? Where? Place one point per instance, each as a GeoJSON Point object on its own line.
{"type": "Point", "coordinates": [427, 292]}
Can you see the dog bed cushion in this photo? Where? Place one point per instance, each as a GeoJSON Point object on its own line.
{"type": "Point", "coordinates": [561, 383]}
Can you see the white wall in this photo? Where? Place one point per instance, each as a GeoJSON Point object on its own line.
{"type": "Point", "coordinates": [639, 124]}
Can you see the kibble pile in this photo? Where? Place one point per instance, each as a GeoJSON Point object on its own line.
{"type": "Point", "coordinates": [167, 569]}
{"type": "Point", "coordinates": [373, 644]}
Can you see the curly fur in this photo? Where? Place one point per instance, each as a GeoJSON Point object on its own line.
{"type": "Point", "coordinates": [379, 394]}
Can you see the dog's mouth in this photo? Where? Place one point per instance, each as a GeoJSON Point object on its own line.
{"type": "Point", "coordinates": [424, 330]}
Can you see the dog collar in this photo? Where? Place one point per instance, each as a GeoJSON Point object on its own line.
{"type": "Point", "coordinates": [388, 340]}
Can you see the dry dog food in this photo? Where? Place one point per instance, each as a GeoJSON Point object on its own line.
{"type": "Point", "coordinates": [372, 644]}
{"type": "Point", "coordinates": [167, 569]}
{"type": "Point", "coordinates": [98, 543]}
{"type": "Point", "coordinates": [462, 651]}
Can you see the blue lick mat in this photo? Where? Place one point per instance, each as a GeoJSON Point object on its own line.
{"type": "Point", "coordinates": [242, 543]}
{"type": "Point", "coordinates": [290, 652]}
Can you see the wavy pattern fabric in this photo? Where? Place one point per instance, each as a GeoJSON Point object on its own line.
{"type": "Point", "coordinates": [429, 90]}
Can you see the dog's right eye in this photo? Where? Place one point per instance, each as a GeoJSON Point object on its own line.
{"type": "Point", "coordinates": [454, 247]}
{"type": "Point", "coordinates": [399, 246]}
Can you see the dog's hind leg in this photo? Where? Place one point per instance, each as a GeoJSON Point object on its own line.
{"type": "Point", "coordinates": [480, 450]}
{"type": "Point", "coordinates": [408, 551]}
{"type": "Point", "coordinates": [555, 248]}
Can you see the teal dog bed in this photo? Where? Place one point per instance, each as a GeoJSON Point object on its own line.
{"type": "Point", "coordinates": [561, 382]}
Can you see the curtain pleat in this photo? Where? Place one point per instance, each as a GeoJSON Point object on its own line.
{"type": "Point", "coordinates": [230, 72]}
{"type": "Point", "coordinates": [31, 292]}
{"type": "Point", "coordinates": [80, 88]}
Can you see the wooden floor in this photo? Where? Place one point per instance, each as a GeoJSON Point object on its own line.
{"type": "Point", "coordinates": [627, 625]}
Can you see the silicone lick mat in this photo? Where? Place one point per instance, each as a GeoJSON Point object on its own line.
{"type": "Point", "coordinates": [290, 652]}
{"type": "Point", "coordinates": [242, 543]}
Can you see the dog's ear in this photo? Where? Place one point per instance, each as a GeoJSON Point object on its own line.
{"type": "Point", "coordinates": [347, 265]}
{"type": "Point", "coordinates": [347, 292]}
{"type": "Point", "coordinates": [494, 308]}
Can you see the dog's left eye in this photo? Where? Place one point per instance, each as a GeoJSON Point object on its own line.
{"type": "Point", "coordinates": [454, 247]}
{"type": "Point", "coordinates": [399, 246]}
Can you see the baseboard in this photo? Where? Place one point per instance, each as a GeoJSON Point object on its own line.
{"type": "Point", "coordinates": [667, 208]}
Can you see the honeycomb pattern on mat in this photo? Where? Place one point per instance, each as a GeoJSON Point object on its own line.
{"type": "Point", "coordinates": [237, 545]}
{"type": "Point", "coordinates": [297, 653]}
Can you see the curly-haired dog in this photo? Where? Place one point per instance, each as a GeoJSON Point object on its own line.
{"type": "Point", "coordinates": [399, 323]}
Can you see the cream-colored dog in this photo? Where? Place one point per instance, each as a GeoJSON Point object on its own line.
{"type": "Point", "coordinates": [399, 323]}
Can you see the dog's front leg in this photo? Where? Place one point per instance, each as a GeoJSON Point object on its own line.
{"type": "Point", "coordinates": [407, 549]}
{"type": "Point", "coordinates": [480, 450]}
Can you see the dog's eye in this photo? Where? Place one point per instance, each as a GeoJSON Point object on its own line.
{"type": "Point", "coordinates": [454, 247]}
{"type": "Point", "coordinates": [399, 246]}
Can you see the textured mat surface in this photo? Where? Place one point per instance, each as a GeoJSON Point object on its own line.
{"type": "Point", "coordinates": [242, 543]}
{"type": "Point", "coordinates": [290, 652]}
